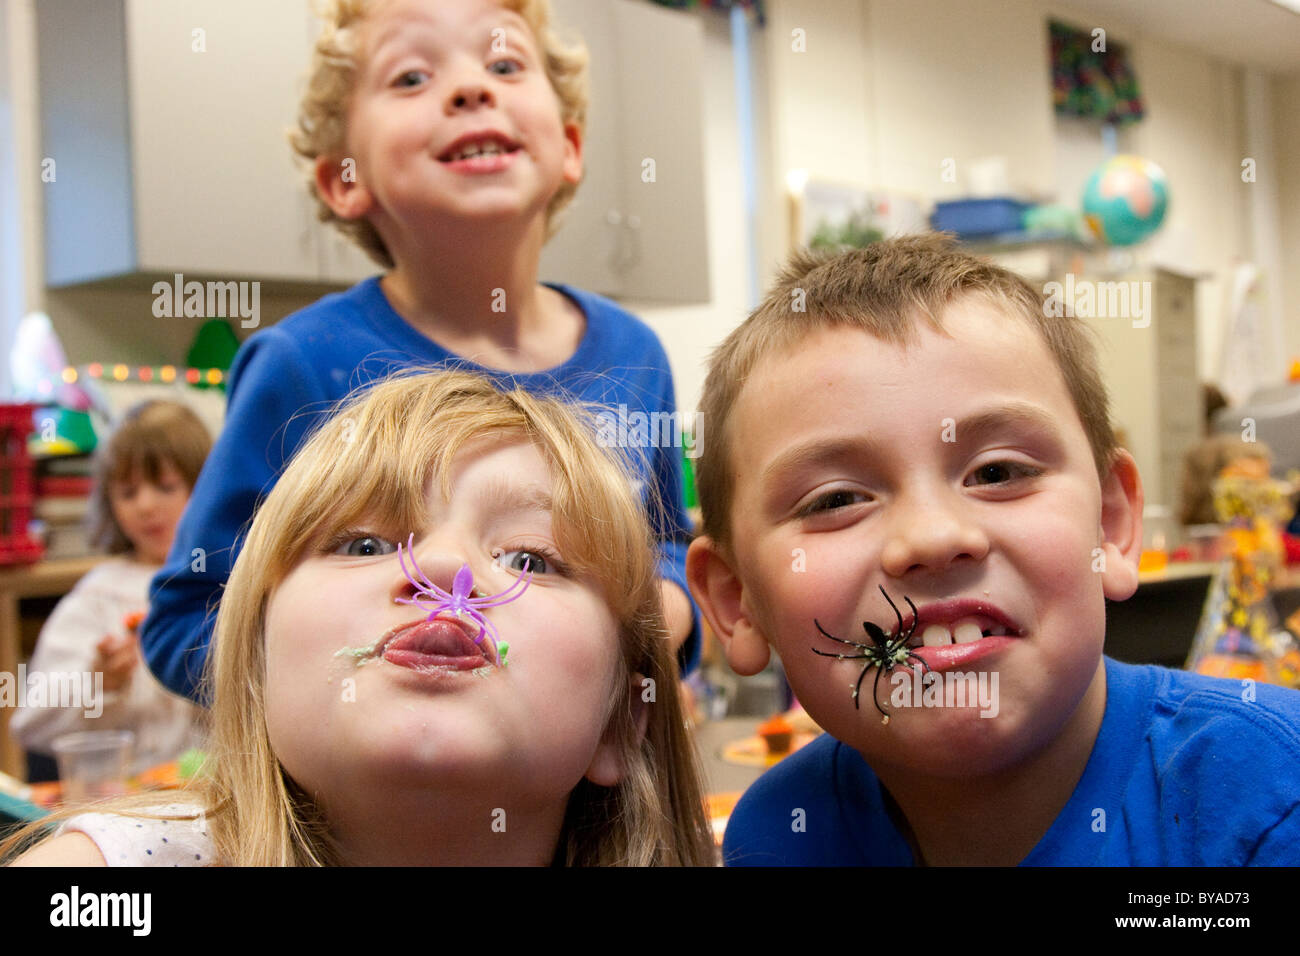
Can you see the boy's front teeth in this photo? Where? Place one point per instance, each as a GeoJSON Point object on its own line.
{"type": "Point", "coordinates": [965, 631]}
{"type": "Point", "coordinates": [486, 149]}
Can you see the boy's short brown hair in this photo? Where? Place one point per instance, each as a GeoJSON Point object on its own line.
{"type": "Point", "coordinates": [322, 115]}
{"type": "Point", "coordinates": [882, 289]}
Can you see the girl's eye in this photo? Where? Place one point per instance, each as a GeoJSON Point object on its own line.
{"type": "Point", "coordinates": [505, 67]}
{"type": "Point", "coordinates": [536, 560]}
{"type": "Point", "coordinates": [411, 78]}
{"type": "Point", "coordinates": [1001, 472]}
{"type": "Point", "coordinates": [365, 546]}
{"type": "Point", "coordinates": [832, 500]}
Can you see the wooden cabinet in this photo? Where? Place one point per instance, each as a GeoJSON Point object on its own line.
{"type": "Point", "coordinates": [638, 228]}
{"type": "Point", "coordinates": [1148, 362]}
{"type": "Point", "coordinates": [167, 125]}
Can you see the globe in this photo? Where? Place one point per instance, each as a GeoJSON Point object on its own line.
{"type": "Point", "coordinates": [1125, 200]}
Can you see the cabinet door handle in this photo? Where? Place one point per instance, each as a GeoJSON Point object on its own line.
{"type": "Point", "coordinates": [632, 247]}
{"type": "Point", "coordinates": [614, 219]}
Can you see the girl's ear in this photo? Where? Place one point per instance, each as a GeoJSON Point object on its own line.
{"type": "Point", "coordinates": [607, 769]}
{"type": "Point", "coordinates": [346, 195]}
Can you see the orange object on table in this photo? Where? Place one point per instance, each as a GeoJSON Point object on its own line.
{"type": "Point", "coordinates": [165, 776]}
{"type": "Point", "coordinates": [778, 733]}
{"type": "Point", "coordinates": [753, 751]}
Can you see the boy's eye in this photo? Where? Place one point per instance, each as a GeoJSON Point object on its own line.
{"type": "Point", "coordinates": [524, 560]}
{"type": "Point", "coordinates": [365, 546]}
{"type": "Point", "coordinates": [831, 500]}
{"type": "Point", "coordinates": [505, 67]}
{"type": "Point", "coordinates": [411, 78]}
{"type": "Point", "coordinates": [1001, 472]}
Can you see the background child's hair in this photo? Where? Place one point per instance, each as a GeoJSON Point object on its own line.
{"type": "Point", "coordinates": [149, 437]}
{"type": "Point", "coordinates": [322, 115]}
{"type": "Point", "coordinates": [884, 289]}
{"type": "Point", "coordinates": [377, 455]}
{"type": "Point", "coordinates": [1201, 466]}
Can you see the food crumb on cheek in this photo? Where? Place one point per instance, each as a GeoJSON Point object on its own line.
{"type": "Point", "coordinates": [359, 655]}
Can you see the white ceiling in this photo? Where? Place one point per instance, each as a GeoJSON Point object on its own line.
{"type": "Point", "coordinates": [1252, 32]}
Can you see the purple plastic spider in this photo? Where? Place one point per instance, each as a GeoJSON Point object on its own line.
{"type": "Point", "coordinates": [460, 601]}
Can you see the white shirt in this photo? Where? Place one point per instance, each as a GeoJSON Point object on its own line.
{"type": "Point", "coordinates": [165, 725]}
{"type": "Point", "coordinates": [146, 841]}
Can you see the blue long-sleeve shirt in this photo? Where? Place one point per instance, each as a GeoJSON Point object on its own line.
{"type": "Point", "coordinates": [287, 377]}
{"type": "Point", "coordinates": [1186, 770]}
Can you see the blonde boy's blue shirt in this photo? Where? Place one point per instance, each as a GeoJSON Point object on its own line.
{"type": "Point", "coordinates": [1186, 771]}
{"type": "Point", "coordinates": [288, 377]}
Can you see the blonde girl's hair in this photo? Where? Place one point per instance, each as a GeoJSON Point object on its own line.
{"type": "Point", "coordinates": [377, 456]}
{"type": "Point", "coordinates": [323, 112]}
{"type": "Point", "coordinates": [149, 437]}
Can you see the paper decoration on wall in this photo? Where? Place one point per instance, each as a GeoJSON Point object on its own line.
{"type": "Point", "coordinates": [1091, 76]}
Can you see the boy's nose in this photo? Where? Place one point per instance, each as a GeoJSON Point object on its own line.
{"type": "Point", "coordinates": [931, 534]}
{"type": "Point", "coordinates": [469, 96]}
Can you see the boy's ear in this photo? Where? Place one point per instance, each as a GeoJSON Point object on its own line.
{"type": "Point", "coordinates": [1121, 527]}
{"type": "Point", "coordinates": [606, 768]}
{"type": "Point", "coordinates": [720, 594]}
{"type": "Point", "coordinates": [572, 153]}
{"type": "Point", "coordinates": [345, 195]}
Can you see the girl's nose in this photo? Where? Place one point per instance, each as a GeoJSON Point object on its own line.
{"type": "Point", "coordinates": [429, 566]}
{"type": "Point", "coordinates": [147, 497]}
{"type": "Point", "coordinates": [930, 532]}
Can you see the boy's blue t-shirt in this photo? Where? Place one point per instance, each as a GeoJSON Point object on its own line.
{"type": "Point", "coordinates": [1186, 771]}
{"type": "Point", "coordinates": [288, 377]}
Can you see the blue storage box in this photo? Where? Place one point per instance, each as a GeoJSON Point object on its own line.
{"type": "Point", "coordinates": [979, 217]}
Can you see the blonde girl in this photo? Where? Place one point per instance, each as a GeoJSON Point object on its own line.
{"type": "Point", "coordinates": [350, 729]}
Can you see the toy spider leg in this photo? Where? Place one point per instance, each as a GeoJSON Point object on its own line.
{"type": "Point", "coordinates": [461, 601]}
{"type": "Point", "coordinates": [883, 653]}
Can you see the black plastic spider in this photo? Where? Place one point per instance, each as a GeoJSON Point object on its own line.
{"type": "Point", "coordinates": [883, 653]}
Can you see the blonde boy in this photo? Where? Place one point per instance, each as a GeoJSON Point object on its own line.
{"type": "Point", "coordinates": [444, 136]}
{"type": "Point", "coordinates": [903, 424]}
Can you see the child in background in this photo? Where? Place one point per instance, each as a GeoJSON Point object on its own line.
{"type": "Point", "coordinates": [902, 426]}
{"type": "Point", "coordinates": [332, 685]}
{"type": "Point", "coordinates": [444, 136]}
{"type": "Point", "coordinates": [143, 476]}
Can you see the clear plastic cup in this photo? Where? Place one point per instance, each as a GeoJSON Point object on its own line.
{"type": "Point", "coordinates": [94, 764]}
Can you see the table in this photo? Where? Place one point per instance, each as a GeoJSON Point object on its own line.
{"type": "Point", "coordinates": [43, 579]}
{"type": "Point", "coordinates": [720, 776]}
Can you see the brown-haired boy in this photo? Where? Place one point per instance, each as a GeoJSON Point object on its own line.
{"type": "Point", "coordinates": [442, 135]}
{"type": "Point", "coordinates": [903, 426]}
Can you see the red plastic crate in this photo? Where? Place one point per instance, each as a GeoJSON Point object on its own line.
{"type": "Point", "coordinates": [16, 486]}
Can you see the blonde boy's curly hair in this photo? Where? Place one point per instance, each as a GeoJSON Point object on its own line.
{"type": "Point", "coordinates": [322, 115]}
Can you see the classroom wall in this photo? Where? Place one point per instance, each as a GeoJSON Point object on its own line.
{"type": "Point", "coordinates": [884, 90]}
{"type": "Point", "coordinates": [690, 332]}
{"type": "Point", "coordinates": [21, 263]}
{"type": "Point", "coordinates": [889, 88]}
{"type": "Point", "coordinates": [1286, 148]}
{"type": "Point", "coordinates": [1194, 132]}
